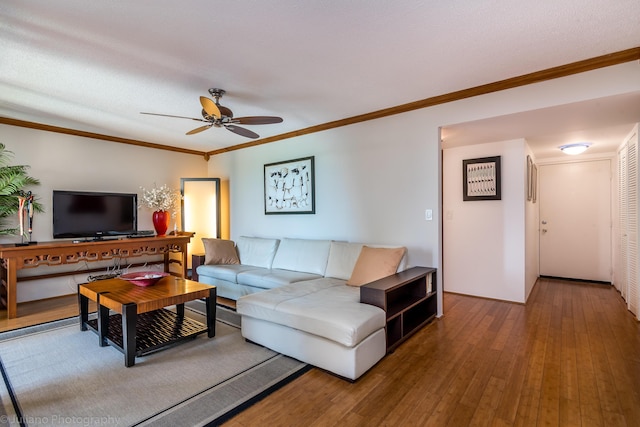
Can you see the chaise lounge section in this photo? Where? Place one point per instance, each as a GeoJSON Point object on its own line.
{"type": "Point", "coordinates": [320, 322]}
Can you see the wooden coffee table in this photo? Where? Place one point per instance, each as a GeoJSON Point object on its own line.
{"type": "Point", "coordinates": [141, 323]}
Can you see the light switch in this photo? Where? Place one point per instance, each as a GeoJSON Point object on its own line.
{"type": "Point", "coordinates": [428, 215]}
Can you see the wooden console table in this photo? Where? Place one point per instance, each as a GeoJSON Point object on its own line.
{"type": "Point", "coordinates": [14, 258]}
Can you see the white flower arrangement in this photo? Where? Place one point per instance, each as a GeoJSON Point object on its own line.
{"type": "Point", "coordinates": [159, 198]}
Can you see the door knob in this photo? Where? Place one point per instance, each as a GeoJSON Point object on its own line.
{"type": "Point", "coordinates": [544, 230]}
{"type": "Point", "coordinates": [544, 222]}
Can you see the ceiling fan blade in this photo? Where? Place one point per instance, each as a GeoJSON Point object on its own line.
{"type": "Point", "coordinates": [177, 117]}
{"type": "Point", "coordinates": [242, 131]}
{"type": "Point", "coordinates": [210, 107]}
{"type": "Point", "coordinates": [200, 129]}
{"type": "Point", "coordinates": [257, 120]}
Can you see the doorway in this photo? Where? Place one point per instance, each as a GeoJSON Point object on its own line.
{"type": "Point", "coordinates": [575, 220]}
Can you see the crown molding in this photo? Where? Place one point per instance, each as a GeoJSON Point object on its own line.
{"type": "Point", "coordinates": [523, 80]}
{"type": "Point", "coordinates": [603, 61]}
{"type": "Point", "coordinates": [75, 132]}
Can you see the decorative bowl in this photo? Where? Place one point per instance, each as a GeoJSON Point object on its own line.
{"type": "Point", "coordinates": [144, 278]}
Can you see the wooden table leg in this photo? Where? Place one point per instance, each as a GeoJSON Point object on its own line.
{"type": "Point", "coordinates": [103, 324]}
{"type": "Point", "coordinates": [211, 312]}
{"type": "Point", "coordinates": [12, 284]}
{"type": "Point", "coordinates": [129, 321]}
{"type": "Point", "coordinates": [185, 261]}
{"type": "Point", "coordinates": [83, 303]}
{"type": "Point", "coordinates": [180, 311]}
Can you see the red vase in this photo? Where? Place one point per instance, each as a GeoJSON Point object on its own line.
{"type": "Point", "coordinates": [161, 222]}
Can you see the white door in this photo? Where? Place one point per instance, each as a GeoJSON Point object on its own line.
{"type": "Point", "coordinates": [575, 220]}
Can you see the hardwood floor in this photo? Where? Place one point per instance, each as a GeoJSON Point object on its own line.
{"type": "Point", "coordinates": [35, 312]}
{"type": "Point", "coordinates": [570, 357]}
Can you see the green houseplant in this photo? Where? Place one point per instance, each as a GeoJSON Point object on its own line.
{"type": "Point", "coordinates": [13, 182]}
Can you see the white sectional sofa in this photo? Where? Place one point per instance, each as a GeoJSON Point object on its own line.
{"type": "Point", "coordinates": [294, 298]}
{"type": "Point", "coordinates": [265, 264]}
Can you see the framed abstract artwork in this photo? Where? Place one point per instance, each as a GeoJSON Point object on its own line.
{"type": "Point", "coordinates": [289, 187]}
{"type": "Point", "coordinates": [481, 179]}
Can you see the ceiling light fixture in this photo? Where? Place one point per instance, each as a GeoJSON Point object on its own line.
{"type": "Point", "coordinates": [576, 148]}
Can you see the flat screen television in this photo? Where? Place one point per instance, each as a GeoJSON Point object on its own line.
{"type": "Point", "coordinates": [93, 214]}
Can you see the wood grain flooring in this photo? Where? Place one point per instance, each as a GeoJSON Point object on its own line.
{"type": "Point", "coordinates": [569, 357]}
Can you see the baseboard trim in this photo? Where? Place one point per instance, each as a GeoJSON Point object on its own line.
{"type": "Point", "coordinates": [569, 279]}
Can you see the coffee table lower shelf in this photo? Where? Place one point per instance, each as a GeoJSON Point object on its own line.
{"type": "Point", "coordinates": [155, 330]}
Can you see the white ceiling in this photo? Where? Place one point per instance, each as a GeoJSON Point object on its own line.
{"type": "Point", "coordinates": [94, 66]}
{"type": "Point", "coordinates": [604, 123]}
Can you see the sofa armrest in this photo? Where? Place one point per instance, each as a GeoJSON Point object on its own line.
{"type": "Point", "coordinates": [196, 261]}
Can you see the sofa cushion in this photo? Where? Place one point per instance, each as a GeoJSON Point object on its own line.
{"type": "Point", "coordinates": [256, 251]}
{"type": "Point", "coordinates": [268, 279]}
{"type": "Point", "coordinates": [342, 259]}
{"type": "Point", "coordinates": [374, 264]}
{"type": "Point", "coordinates": [219, 251]}
{"type": "Point", "coordinates": [309, 256]}
{"type": "Point", "coordinates": [228, 272]}
{"type": "Point", "coordinates": [322, 307]}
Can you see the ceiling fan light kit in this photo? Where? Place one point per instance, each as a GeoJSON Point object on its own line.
{"type": "Point", "coordinates": [216, 115]}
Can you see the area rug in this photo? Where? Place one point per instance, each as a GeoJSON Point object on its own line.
{"type": "Point", "coordinates": [55, 374]}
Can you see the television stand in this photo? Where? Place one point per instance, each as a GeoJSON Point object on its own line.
{"type": "Point", "coordinates": [15, 258]}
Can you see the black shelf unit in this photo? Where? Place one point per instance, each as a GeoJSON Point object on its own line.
{"type": "Point", "coordinates": [408, 299]}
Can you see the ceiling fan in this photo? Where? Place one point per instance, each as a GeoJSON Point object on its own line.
{"type": "Point", "coordinates": [217, 115]}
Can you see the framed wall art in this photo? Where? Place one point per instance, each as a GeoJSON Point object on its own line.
{"type": "Point", "coordinates": [529, 178]}
{"type": "Point", "coordinates": [289, 187]}
{"type": "Point", "coordinates": [481, 179]}
{"type": "Point", "coordinates": [532, 180]}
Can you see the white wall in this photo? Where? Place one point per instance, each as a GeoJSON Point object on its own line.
{"type": "Point", "coordinates": [373, 182]}
{"type": "Point", "coordinates": [375, 179]}
{"type": "Point", "coordinates": [484, 241]}
{"type": "Point", "coordinates": [64, 162]}
{"type": "Point", "coordinates": [363, 187]}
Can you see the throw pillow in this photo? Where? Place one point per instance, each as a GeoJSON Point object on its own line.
{"type": "Point", "coordinates": [374, 264]}
{"type": "Point", "coordinates": [218, 251]}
